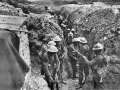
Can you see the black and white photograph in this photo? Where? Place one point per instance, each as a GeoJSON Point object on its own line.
{"type": "Point", "coordinates": [59, 44]}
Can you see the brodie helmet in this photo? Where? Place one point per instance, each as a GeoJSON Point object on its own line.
{"type": "Point", "coordinates": [76, 40]}
{"type": "Point", "coordinates": [82, 40]}
{"type": "Point", "coordinates": [57, 38]}
{"type": "Point", "coordinates": [98, 46]}
{"type": "Point", "coordinates": [50, 43]}
{"type": "Point", "coordinates": [52, 49]}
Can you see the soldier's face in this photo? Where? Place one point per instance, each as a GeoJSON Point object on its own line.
{"type": "Point", "coordinates": [97, 52]}
{"type": "Point", "coordinates": [76, 43]}
{"type": "Point", "coordinates": [57, 42]}
{"type": "Point", "coordinates": [51, 53]}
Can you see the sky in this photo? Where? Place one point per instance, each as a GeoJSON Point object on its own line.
{"type": "Point", "coordinates": [33, 0]}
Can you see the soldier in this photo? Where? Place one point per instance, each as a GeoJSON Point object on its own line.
{"type": "Point", "coordinates": [44, 45]}
{"type": "Point", "coordinates": [61, 24]}
{"type": "Point", "coordinates": [83, 67]}
{"type": "Point", "coordinates": [46, 8]}
{"type": "Point", "coordinates": [61, 55]}
{"type": "Point", "coordinates": [73, 31]}
{"type": "Point", "coordinates": [68, 35]}
{"type": "Point", "coordinates": [73, 55]}
{"type": "Point", "coordinates": [50, 43]}
{"type": "Point", "coordinates": [51, 65]}
{"type": "Point", "coordinates": [69, 38]}
{"type": "Point", "coordinates": [42, 51]}
{"type": "Point", "coordinates": [99, 64]}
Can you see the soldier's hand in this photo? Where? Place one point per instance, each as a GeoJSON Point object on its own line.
{"type": "Point", "coordinates": [63, 55]}
{"type": "Point", "coordinates": [49, 65]}
{"type": "Point", "coordinates": [57, 69]}
{"type": "Point", "coordinates": [76, 59]}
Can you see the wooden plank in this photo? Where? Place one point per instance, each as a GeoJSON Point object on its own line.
{"type": "Point", "coordinates": [11, 22]}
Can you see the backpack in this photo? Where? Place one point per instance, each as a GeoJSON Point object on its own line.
{"type": "Point", "coordinates": [102, 68]}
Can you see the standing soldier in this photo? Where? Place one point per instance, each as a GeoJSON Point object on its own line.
{"type": "Point", "coordinates": [73, 55]}
{"type": "Point", "coordinates": [99, 64]}
{"type": "Point", "coordinates": [73, 31]}
{"type": "Point", "coordinates": [83, 67]}
{"type": "Point", "coordinates": [61, 54]}
{"type": "Point", "coordinates": [51, 65]}
{"type": "Point", "coordinates": [42, 51]}
{"type": "Point", "coordinates": [69, 38]}
{"type": "Point", "coordinates": [65, 33]}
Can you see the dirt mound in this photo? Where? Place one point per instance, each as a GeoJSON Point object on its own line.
{"type": "Point", "coordinates": [76, 14]}
{"type": "Point", "coordinates": [97, 26]}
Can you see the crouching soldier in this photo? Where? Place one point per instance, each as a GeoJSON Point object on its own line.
{"type": "Point", "coordinates": [99, 65]}
{"type": "Point", "coordinates": [51, 66]}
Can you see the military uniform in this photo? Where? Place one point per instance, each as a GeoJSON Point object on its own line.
{"type": "Point", "coordinates": [99, 70]}
{"type": "Point", "coordinates": [69, 38]}
{"type": "Point", "coordinates": [49, 67]}
{"type": "Point", "coordinates": [99, 65]}
{"type": "Point", "coordinates": [61, 58]}
{"type": "Point", "coordinates": [73, 59]}
{"type": "Point", "coordinates": [83, 67]}
{"type": "Point", "coordinates": [43, 50]}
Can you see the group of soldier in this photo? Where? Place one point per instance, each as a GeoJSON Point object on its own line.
{"type": "Point", "coordinates": [79, 60]}
{"type": "Point", "coordinates": [54, 52]}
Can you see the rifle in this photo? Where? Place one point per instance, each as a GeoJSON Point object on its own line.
{"type": "Point", "coordinates": [56, 77]}
{"type": "Point", "coordinates": [78, 52]}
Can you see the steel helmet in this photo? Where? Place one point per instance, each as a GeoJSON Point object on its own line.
{"type": "Point", "coordinates": [79, 37]}
{"type": "Point", "coordinates": [82, 40]}
{"type": "Point", "coordinates": [45, 39]}
{"type": "Point", "coordinates": [98, 46]}
{"type": "Point", "coordinates": [70, 34]}
{"type": "Point", "coordinates": [68, 29]}
{"type": "Point", "coordinates": [76, 40]}
{"type": "Point", "coordinates": [73, 29]}
{"type": "Point", "coordinates": [52, 49]}
{"type": "Point", "coordinates": [51, 43]}
{"type": "Point", "coordinates": [57, 38]}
